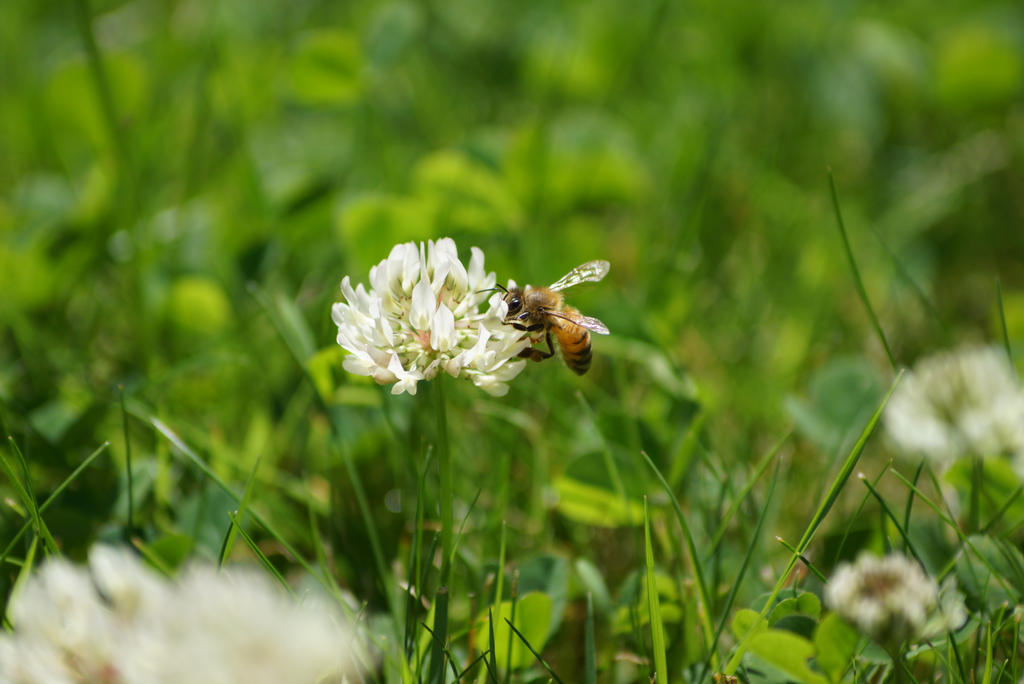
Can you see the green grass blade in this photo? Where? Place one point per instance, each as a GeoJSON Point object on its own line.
{"type": "Point", "coordinates": [926, 302]}
{"type": "Point", "coordinates": [850, 522]}
{"type": "Point", "coordinates": [964, 539]}
{"type": "Point", "coordinates": [861, 291]}
{"type": "Point", "coordinates": [447, 654]}
{"type": "Point", "coordinates": [682, 457]}
{"type": "Point", "coordinates": [461, 676]}
{"type": "Point", "coordinates": [53, 497]}
{"type": "Point", "coordinates": [297, 338]}
{"type": "Point", "coordinates": [492, 667]}
{"type": "Point", "coordinates": [910, 495]}
{"type": "Point", "coordinates": [438, 633]}
{"type": "Point", "coordinates": [152, 558]}
{"type": "Point", "coordinates": [819, 516]}
{"type": "Point", "coordinates": [194, 459]}
{"type": "Point", "coordinates": [229, 539]}
{"type": "Point", "coordinates": [28, 498]}
{"type": "Point", "coordinates": [254, 547]}
{"type": "Point", "coordinates": [734, 506]}
{"type": "Point", "coordinates": [803, 559]}
{"type": "Point", "coordinates": [499, 581]}
{"type": "Point", "coordinates": [734, 589]}
{"type": "Point", "coordinates": [691, 549]}
{"type": "Point", "coordinates": [536, 655]}
{"type": "Point", "coordinates": [127, 464]}
{"type": "Point", "coordinates": [892, 516]}
{"type": "Point", "coordinates": [512, 613]}
{"type": "Point", "coordinates": [24, 573]}
{"type": "Point", "coordinates": [654, 607]}
{"type": "Point", "coordinates": [1002, 322]}
{"type": "Point", "coordinates": [1002, 510]}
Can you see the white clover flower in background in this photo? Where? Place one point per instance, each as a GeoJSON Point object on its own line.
{"type": "Point", "coordinates": [121, 623]}
{"type": "Point", "coordinates": [967, 402]}
{"type": "Point", "coordinates": [421, 317]}
{"type": "Point", "coordinates": [892, 600]}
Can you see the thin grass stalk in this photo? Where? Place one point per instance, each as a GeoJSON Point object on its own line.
{"type": "Point", "coordinates": [654, 607]}
{"type": "Point", "coordinates": [964, 538]}
{"type": "Point", "coordinates": [910, 496]}
{"type": "Point", "coordinates": [1002, 323]}
{"type": "Point", "coordinates": [895, 521]}
{"type": "Point", "coordinates": [1002, 510]}
{"type": "Point", "coordinates": [741, 496]}
{"type": "Point", "coordinates": [695, 561]}
{"type": "Point", "coordinates": [803, 559]}
{"type": "Point", "coordinates": [819, 516]}
{"type": "Point", "coordinates": [852, 519]}
{"type": "Point", "coordinates": [512, 614]}
{"type": "Point", "coordinates": [734, 589]}
{"type": "Point", "coordinates": [243, 507]}
{"type": "Point", "coordinates": [27, 496]}
{"type": "Point", "coordinates": [254, 547]}
{"type": "Point", "coordinates": [861, 290]}
{"type": "Point", "coordinates": [27, 525]}
{"type": "Point", "coordinates": [439, 635]}
{"type": "Point", "coordinates": [536, 655]}
{"type": "Point", "coordinates": [127, 464]}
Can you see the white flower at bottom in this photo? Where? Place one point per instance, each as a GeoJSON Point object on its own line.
{"type": "Point", "coordinates": [421, 317]}
{"type": "Point", "coordinates": [892, 600]}
{"type": "Point", "coordinates": [960, 403]}
{"type": "Point", "coordinates": [123, 624]}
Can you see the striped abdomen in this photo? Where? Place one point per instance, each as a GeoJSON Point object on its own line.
{"type": "Point", "coordinates": [574, 341]}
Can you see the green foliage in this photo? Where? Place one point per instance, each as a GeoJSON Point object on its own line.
{"type": "Point", "coordinates": [183, 187]}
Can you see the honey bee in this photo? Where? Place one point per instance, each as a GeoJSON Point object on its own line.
{"type": "Point", "coordinates": [532, 309]}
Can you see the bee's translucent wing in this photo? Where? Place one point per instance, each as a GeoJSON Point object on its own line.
{"type": "Point", "coordinates": [590, 272]}
{"type": "Point", "coordinates": [589, 322]}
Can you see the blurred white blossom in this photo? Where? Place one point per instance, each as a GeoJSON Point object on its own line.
{"type": "Point", "coordinates": [119, 623]}
{"type": "Point", "coordinates": [960, 403]}
{"type": "Point", "coordinates": [421, 316]}
{"type": "Point", "coordinates": [892, 600]}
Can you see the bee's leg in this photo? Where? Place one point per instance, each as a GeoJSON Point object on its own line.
{"type": "Point", "coordinates": [538, 354]}
{"type": "Point", "coordinates": [532, 328]}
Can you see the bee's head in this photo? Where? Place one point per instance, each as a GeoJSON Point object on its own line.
{"type": "Point", "coordinates": [514, 299]}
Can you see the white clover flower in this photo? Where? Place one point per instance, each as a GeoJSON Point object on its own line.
{"type": "Point", "coordinates": [892, 600]}
{"type": "Point", "coordinates": [961, 403]}
{"type": "Point", "coordinates": [421, 317]}
{"type": "Point", "coordinates": [123, 624]}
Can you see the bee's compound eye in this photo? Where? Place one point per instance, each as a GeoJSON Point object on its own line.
{"type": "Point", "coordinates": [514, 304]}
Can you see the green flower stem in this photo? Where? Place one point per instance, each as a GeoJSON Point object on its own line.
{"type": "Point", "coordinates": [444, 459]}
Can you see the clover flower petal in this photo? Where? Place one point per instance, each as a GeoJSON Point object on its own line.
{"type": "Point", "coordinates": [117, 621]}
{"type": "Point", "coordinates": [422, 315]}
{"type": "Point", "coordinates": [960, 403]}
{"type": "Point", "coordinates": [892, 600]}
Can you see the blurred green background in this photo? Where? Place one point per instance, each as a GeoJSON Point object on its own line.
{"type": "Point", "coordinates": [184, 184]}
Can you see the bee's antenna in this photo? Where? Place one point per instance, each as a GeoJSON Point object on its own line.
{"type": "Point", "coordinates": [496, 288]}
